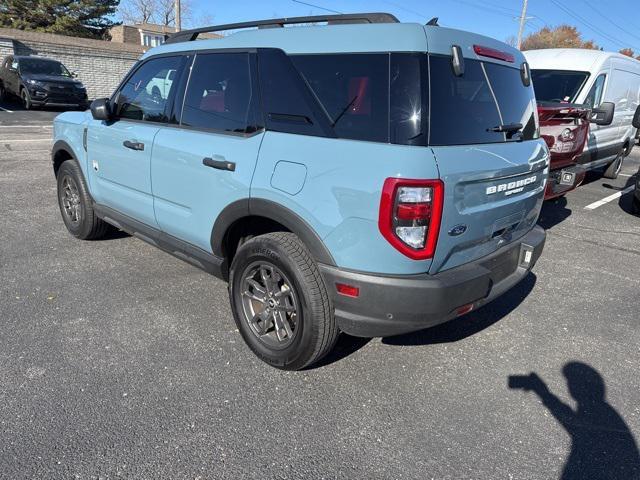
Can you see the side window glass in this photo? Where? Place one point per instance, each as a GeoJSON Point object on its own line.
{"type": "Point", "coordinates": [594, 98]}
{"type": "Point", "coordinates": [354, 90]}
{"type": "Point", "coordinates": [219, 94]}
{"type": "Point", "coordinates": [144, 95]}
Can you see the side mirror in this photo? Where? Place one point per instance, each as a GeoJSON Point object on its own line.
{"type": "Point", "coordinates": [636, 118]}
{"type": "Point", "coordinates": [74, 74]}
{"type": "Point", "coordinates": [101, 109]}
{"type": "Point", "coordinates": [603, 115]}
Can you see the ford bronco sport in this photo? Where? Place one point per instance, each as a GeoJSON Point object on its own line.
{"type": "Point", "coordinates": [364, 176]}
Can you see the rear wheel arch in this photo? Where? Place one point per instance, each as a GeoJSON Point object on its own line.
{"type": "Point", "coordinates": [246, 218]}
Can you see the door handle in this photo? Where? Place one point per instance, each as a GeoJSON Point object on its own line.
{"type": "Point", "coordinates": [133, 145]}
{"type": "Point", "coordinates": [220, 164]}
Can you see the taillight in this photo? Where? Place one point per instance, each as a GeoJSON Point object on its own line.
{"type": "Point", "coordinates": [410, 214]}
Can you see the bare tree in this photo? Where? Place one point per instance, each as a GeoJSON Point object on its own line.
{"type": "Point", "coordinates": [161, 12]}
{"type": "Point", "coordinates": [138, 11]}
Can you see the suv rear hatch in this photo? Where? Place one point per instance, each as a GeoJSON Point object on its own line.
{"type": "Point", "coordinates": [483, 130]}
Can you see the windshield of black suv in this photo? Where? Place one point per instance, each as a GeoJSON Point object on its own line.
{"type": "Point", "coordinates": [558, 85]}
{"type": "Point", "coordinates": [43, 67]}
{"type": "Point", "coordinates": [488, 103]}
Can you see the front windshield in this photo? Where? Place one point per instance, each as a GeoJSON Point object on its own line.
{"type": "Point", "coordinates": [558, 85]}
{"type": "Point", "coordinates": [43, 67]}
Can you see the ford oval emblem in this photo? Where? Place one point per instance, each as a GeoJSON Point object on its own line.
{"type": "Point", "coordinates": [457, 230]}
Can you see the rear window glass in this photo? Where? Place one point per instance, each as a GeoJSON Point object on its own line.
{"type": "Point", "coordinates": [354, 91]}
{"type": "Point", "coordinates": [557, 85]}
{"type": "Point", "coordinates": [466, 109]}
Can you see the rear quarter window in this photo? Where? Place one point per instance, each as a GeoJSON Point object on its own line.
{"type": "Point", "coordinates": [354, 91]}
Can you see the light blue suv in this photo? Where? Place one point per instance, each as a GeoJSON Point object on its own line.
{"type": "Point", "coordinates": [358, 175]}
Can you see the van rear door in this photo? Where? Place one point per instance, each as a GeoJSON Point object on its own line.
{"type": "Point", "coordinates": [484, 133]}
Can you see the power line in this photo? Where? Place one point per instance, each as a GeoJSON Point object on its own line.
{"type": "Point", "coordinates": [485, 8]}
{"type": "Point", "coordinates": [611, 21]}
{"type": "Point", "coordinates": [589, 25]}
{"type": "Point", "coordinates": [316, 6]}
{"type": "Point", "coordinates": [408, 10]}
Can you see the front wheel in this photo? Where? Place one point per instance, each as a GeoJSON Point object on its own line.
{"type": "Point", "coordinates": [26, 99]}
{"type": "Point", "coordinates": [76, 206]}
{"type": "Point", "coordinates": [280, 302]}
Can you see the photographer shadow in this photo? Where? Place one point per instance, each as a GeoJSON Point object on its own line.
{"type": "Point", "coordinates": [602, 446]}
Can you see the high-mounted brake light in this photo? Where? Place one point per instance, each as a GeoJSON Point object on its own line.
{"type": "Point", "coordinates": [493, 53]}
{"type": "Point", "coordinates": [410, 215]}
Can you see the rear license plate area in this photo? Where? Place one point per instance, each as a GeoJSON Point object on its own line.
{"type": "Point", "coordinates": [567, 178]}
{"type": "Point", "coordinates": [526, 256]}
{"type": "Point", "coordinates": [504, 265]}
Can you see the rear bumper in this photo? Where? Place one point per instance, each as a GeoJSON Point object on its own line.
{"type": "Point", "coordinates": [392, 305]}
{"type": "Point", "coordinates": [555, 186]}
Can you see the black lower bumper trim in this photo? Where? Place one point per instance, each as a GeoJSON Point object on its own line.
{"type": "Point", "coordinates": [392, 305]}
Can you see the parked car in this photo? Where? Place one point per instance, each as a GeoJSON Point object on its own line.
{"type": "Point", "coordinates": [41, 82]}
{"type": "Point", "coordinates": [603, 81]}
{"type": "Point", "coordinates": [565, 128]}
{"type": "Point", "coordinates": [300, 164]}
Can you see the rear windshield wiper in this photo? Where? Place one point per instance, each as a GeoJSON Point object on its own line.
{"type": "Point", "coordinates": [510, 129]}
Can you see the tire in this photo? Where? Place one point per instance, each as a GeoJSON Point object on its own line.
{"type": "Point", "coordinates": [293, 323]}
{"type": "Point", "coordinates": [613, 169]}
{"type": "Point", "coordinates": [26, 99]}
{"type": "Point", "coordinates": [635, 205]}
{"type": "Point", "coordinates": [76, 206]}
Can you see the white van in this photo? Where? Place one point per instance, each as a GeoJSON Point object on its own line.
{"type": "Point", "coordinates": [601, 80]}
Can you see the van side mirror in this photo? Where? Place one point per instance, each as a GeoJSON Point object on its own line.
{"type": "Point", "coordinates": [636, 118]}
{"type": "Point", "coordinates": [101, 109]}
{"type": "Point", "coordinates": [603, 115]}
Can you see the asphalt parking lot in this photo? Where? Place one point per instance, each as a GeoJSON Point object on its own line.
{"type": "Point", "coordinates": [120, 361]}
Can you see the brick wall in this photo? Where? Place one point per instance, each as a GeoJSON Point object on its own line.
{"type": "Point", "coordinates": [100, 65]}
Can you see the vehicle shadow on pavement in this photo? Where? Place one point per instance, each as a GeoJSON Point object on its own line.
{"type": "Point", "coordinates": [345, 346]}
{"type": "Point", "coordinates": [113, 234]}
{"type": "Point", "coordinates": [554, 212]}
{"type": "Point", "coordinates": [602, 446]}
{"type": "Point", "coordinates": [626, 201]}
{"type": "Point", "coordinates": [470, 324]}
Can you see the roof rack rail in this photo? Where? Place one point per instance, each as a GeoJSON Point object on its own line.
{"type": "Point", "coordinates": [190, 35]}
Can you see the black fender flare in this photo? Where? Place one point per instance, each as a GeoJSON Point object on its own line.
{"type": "Point", "coordinates": [266, 208]}
{"type": "Point", "coordinates": [61, 145]}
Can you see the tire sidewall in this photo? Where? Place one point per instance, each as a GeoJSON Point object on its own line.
{"type": "Point", "coordinates": [26, 99]}
{"type": "Point", "coordinates": [71, 169]}
{"type": "Point", "coordinates": [297, 353]}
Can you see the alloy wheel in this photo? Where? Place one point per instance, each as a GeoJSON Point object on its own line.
{"type": "Point", "coordinates": [269, 304]}
{"type": "Point", "coordinates": [70, 199]}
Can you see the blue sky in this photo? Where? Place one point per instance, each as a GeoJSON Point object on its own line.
{"type": "Point", "coordinates": [613, 24]}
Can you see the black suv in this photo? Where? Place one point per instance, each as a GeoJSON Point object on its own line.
{"type": "Point", "coordinates": [41, 81]}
